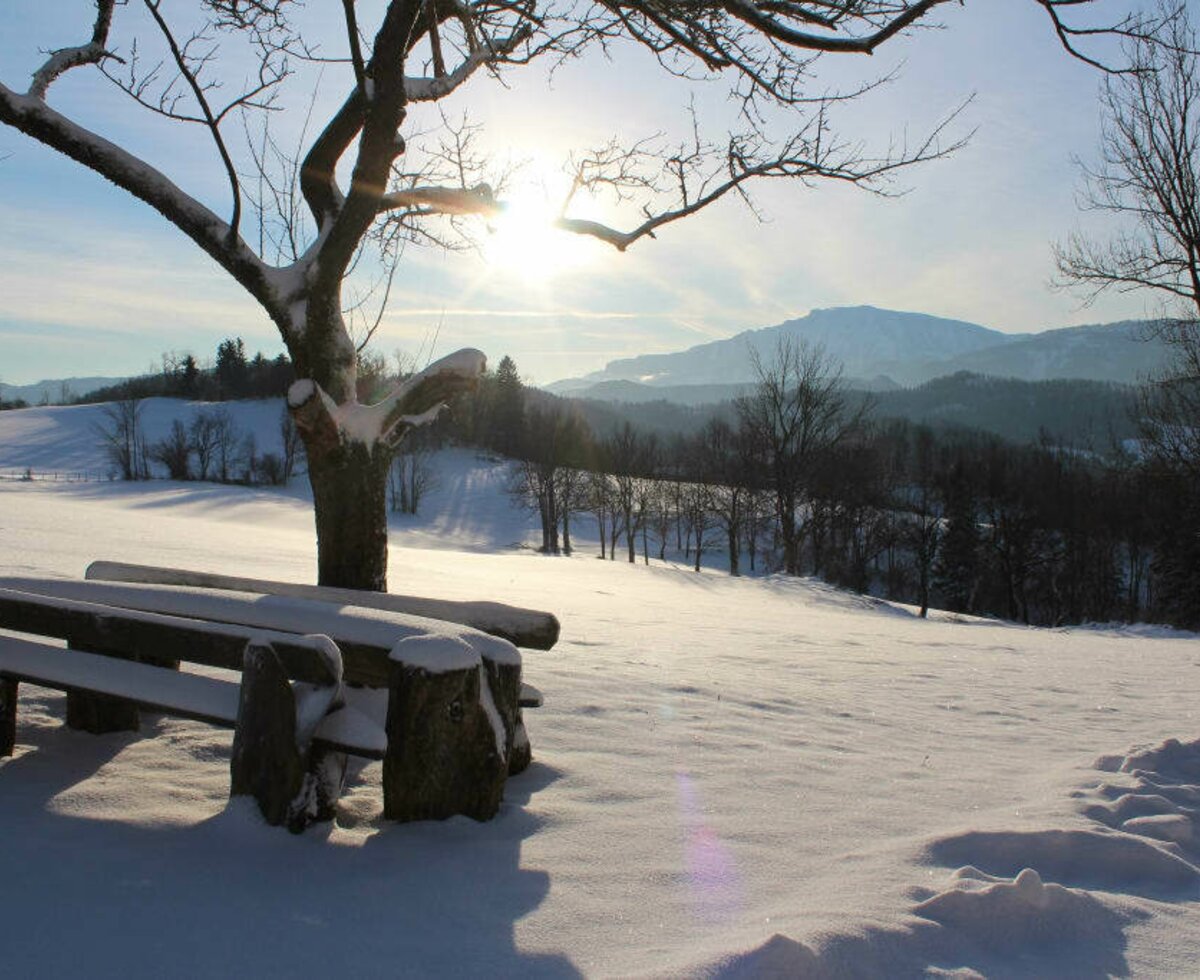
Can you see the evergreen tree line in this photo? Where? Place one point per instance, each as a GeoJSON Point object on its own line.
{"type": "Point", "coordinates": [804, 479]}
{"type": "Point", "coordinates": [232, 376]}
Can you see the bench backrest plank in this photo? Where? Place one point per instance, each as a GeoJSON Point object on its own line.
{"type": "Point", "coordinates": [521, 627]}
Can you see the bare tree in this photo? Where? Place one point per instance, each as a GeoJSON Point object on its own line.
{"type": "Point", "coordinates": [923, 525]}
{"type": "Point", "coordinates": [1148, 173]}
{"type": "Point", "coordinates": [202, 434]}
{"type": "Point", "coordinates": [719, 471]}
{"type": "Point", "coordinates": [174, 451]}
{"type": "Point", "coordinates": [549, 479]}
{"type": "Point", "coordinates": [383, 170]}
{"type": "Point", "coordinates": [226, 441]}
{"type": "Point", "coordinates": [412, 476]}
{"type": "Point", "coordinates": [798, 413]}
{"type": "Point", "coordinates": [123, 440]}
{"type": "Point", "coordinates": [293, 447]}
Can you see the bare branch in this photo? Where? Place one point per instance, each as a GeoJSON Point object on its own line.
{"type": "Point", "coordinates": [699, 176]}
{"type": "Point", "coordinates": [356, 58]}
{"type": "Point", "coordinates": [1149, 171]}
{"type": "Point", "coordinates": [34, 118]}
{"type": "Point", "coordinates": [444, 200]}
{"type": "Point", "coordinates": [214, 126]}
{"type": "Point", "coordinates": [64, 59]}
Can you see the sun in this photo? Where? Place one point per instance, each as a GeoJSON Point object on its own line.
{"type": "Point", "coordinates": [523, 241]}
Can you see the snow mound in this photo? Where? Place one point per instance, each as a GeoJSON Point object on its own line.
{"type": "Point", "coordinates": [1171, 758]}
{"type": "Point", "coordinates": [1023, 911]}
{"type": "Point", "coordinates": [1159, 800]}
{"type": "Point", "coordinates": [1103, 860]}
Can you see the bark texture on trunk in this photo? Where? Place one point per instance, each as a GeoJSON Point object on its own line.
{"type": "Point", "coordinates": [8, 716]}
{"type": "Point", "coordinates": [349, 484]}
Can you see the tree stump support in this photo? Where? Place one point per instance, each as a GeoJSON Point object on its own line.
{"type": "Point", "coordinates": [504, 682]}
{"type": "Point", "coordinates": [292, 782]}
{"type": "Point", "coordinates": [451, 724]}
{"type": "Point", "coordinates": [100, 714]}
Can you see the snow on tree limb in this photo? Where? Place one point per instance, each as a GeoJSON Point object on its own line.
{"type": "Point", "coordinates": [64, 59]}
{"type": "Point", "coordinates": [419, 399]}
{"type": "Point", "coordinates": [438, 87]}
{"type": "Point", "coordinates": [413, 402]}
{"type": "Point", "coordinates": [35, 118]}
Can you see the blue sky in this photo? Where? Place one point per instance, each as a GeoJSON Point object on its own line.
{"type": "Point", "coordinates": [92, 282]}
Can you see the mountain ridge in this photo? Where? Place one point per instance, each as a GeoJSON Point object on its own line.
{"type": "Point", "coordinates": [53, 389]}
{"type": "Point", "coordinates": [897, 347]}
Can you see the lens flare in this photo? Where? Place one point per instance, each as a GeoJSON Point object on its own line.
{"type": "Point", "coordinates": [715, 886]}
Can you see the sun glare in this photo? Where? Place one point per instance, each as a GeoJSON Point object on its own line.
{"type": "Point", "coordinates": [525, 243]}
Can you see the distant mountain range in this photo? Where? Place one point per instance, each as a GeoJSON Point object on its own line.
{"type": "Point", "coordinates": [881, 350]}
{"type": "Point", "coordinates": [54, 391]}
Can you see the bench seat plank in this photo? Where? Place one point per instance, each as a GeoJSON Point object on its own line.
{"type": "Point", "coordinates": [95, 626]}
{"type": "Point", "coordinates": [207, 699]}
{"type": "Point", "coordinates": [364, 636]}
{"type": "Point", "coordinates": [188, 695]}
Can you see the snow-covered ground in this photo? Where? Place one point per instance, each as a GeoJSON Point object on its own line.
{"type": "Point", "coordinates": [732, 777]}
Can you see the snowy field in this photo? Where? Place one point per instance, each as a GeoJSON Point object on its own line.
{"type": "Point", "coordinates": [732, 777]}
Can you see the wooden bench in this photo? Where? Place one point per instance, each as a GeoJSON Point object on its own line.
{"type": "Point", "coordinates": [440, 704]}
{"type": "Point", "coordinates": [521, 627]}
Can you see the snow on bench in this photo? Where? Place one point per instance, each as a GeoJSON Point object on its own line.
{"type": "Point", "coordinates": [521, 627]}
{"type": "Point", "coordinates": [194, 696]}
{"type": "Point", "coordinates": [449, 733]}
{"type": "Point", "coordinates": [365, 636]}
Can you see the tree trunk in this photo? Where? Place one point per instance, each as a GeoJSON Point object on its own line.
{"type": "Point", "coordinates": [349, 484]}
{"type": "Point", "coordinates": [8, 716]}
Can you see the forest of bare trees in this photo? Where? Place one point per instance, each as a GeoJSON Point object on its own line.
{"type": "Point", "coordinates": [807, 482]}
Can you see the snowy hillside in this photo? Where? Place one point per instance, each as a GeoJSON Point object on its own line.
{"type": "Point", "coordinates": [732, 777]}
{"type": "Point", "coordinates": [65, 439]}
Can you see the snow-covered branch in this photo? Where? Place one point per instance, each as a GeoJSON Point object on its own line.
{"type": "Point", "coordinates": [64, 59]}
{"type": "Point", "coordinates": [413, 402]}
{"type": "Point", "coordinates": [34, 118]}
{"type": "Point", "coordinates": [438, 87]}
